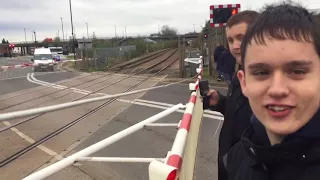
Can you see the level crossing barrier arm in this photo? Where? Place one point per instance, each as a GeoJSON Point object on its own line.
{"type": "Point", "coordinates": [180, 161]}
{"type": "Point", "coordinates": [46, 109]}
{"type": "Point", "coordinates": [46, 172]}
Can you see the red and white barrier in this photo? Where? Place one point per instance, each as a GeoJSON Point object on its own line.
{"type": "Point", "coordinates": [31, 64]}
{"type": "Point", "coordinates": [183, 151]}
{"type": "Point", "coordinates": [16, 66]}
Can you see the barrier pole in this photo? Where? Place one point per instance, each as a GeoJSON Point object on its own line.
{"type": "Point", "coordinates": [189, 158]}
{"type": "Point", "coordinates": [58, 166]}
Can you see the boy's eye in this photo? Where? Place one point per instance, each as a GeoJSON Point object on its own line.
{"type": "Point", "coordinates": [298, 71]}
{"type": "Point", "coordinates": [260, 73]}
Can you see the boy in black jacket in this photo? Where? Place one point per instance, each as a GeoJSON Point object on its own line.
{"type": "Point", "coordinates": [280, 54]}
{"type": "Point", "coordinates": [234, 106]}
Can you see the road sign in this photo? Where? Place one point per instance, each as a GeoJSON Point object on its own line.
{"type": "Point", "coordinates": [220, 14]}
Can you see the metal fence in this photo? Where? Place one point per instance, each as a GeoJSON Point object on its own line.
{"type": "Point", "coordinates": [99, 58]}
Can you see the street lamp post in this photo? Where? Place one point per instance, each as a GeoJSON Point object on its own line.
{"type": "Point", "coordinates": [62, 28]}
{"type": "Point", "coordinates": [87, 30]}
{"type": "Point", "coordinates": [35, 36]}
{"type": "Point", "coordinates": [25, 35]}
{"type": "Point", "coordinates": [73, 48]}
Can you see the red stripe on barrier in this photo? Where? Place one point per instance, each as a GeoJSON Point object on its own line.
{"type": "Point", "coordinates": [175, 161]}
{"type": "Point", "coordinates": [186, 121]}
{"type": "Point", "coordinates": [193, 99]}
{"type": "Point", "coordinates": [197, 87]}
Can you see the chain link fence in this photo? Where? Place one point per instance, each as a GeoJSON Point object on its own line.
{"type": "Point", "coordinates": [101, 58]}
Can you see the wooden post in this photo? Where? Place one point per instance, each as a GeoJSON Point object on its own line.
{"type": "Point", "coordinates": [210, 41]}
{"type": "Point", "coordinates": [181, 58]}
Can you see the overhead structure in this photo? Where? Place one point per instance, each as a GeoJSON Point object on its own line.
{"type": "Point", "coordinates": [219, 14]}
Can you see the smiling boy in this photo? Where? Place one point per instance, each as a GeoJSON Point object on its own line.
{"type": "Point", "coordinates": [281, 78]}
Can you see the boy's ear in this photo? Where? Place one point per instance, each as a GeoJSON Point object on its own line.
{"type": "Point", "coordinates": [241, 77]}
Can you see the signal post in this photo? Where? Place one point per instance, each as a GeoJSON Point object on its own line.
{"type": "Point", "coordinates": [219, 15]}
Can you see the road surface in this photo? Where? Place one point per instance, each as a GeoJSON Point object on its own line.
{"type": "Point", "coordinates": [23, 93]}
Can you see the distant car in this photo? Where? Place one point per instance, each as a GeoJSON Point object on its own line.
{"type": "Point", "coordinates": [56, 58]}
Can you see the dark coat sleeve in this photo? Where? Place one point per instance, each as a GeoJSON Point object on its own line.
{"type": "Point", "coordinates": [221, 106]}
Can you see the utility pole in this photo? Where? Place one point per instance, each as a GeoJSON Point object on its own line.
{"type": "Point", "coordinates": [62, 29]}
{"type": "Point", "coordinates": [59, 33]}
{"type": "Point", "coordinates": [35, 36]}
{"type": "Point", "coordinates": [25, 35]}
{"type": "Point", "coordinates": [32, 35]}
{"type": "Point", "coordinates": [87, 30]}
{"type": "Point", "coordinates": [74, 50]}
{"type": "Point", "coordinates": [194, 28]}
{"type": "Point", "coordinates": [125, 31]}
{"type": "Point", "coordinates": [115, 31]}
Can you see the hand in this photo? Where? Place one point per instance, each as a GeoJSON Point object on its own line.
{"type": "Point", "coordinates": [214, 97]}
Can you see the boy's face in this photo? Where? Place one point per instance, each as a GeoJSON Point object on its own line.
{"type": "Point", "coordinates": [282, 83]}
{"type": "Point", "coordinates": [234, 35]}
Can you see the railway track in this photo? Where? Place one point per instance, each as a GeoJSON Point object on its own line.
{"type": "Point", "coordinates": [139, 61]}
{"type": "Point", "coordinates": [42, 88]}
{"type": "Point", "coordinates": [48, 94]}
{"type": "Point", "coordinates": [32, 146]}
{"type": "Point", "coordinates": [155, 55]}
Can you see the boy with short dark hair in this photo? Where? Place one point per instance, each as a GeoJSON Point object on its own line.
{"type": "Point", "coordinates": [280, 55]}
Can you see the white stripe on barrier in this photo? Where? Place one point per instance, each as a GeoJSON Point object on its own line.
{"type": "Point", "coordinates": [179, 143]}
{"type": "Point", "coordinates": [119, 159]}
{"type": "Point", "coordinates": [189, 108]}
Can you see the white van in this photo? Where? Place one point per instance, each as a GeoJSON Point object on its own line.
{"type": "Point", "coordinates": [43, 60]}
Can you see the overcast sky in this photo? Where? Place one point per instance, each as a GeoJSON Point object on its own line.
{"type": "Point", "coordinates": [139, 16]}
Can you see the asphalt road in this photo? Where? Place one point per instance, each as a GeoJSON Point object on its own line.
{"type": "Point", "coordinates": [12, 80]}
{"type": "Point", "coordinates": [152, 142]}
{"type": "Point", "coordinates": [4, 61]}
{"type": "Point", "coordinates": [149, 142]}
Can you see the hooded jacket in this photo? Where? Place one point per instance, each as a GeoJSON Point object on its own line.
{"type": "Point", "coordinates": [237, 112]}
{"type": "Point", "coordinates": [216, 56]}
{"type": "Point", "coordinates": [297, 157]}
{"type": "Point", "coordinates": [229, 62]}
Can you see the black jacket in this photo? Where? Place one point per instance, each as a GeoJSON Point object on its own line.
{"type": "Point", "coordinates": [296, 158]}
{"type": "Point", "coordinates": [216, 56]}
{"type": "Point", "coordinates": [237, 112]}
{"type": "Point", "coordinates": [229, 62]}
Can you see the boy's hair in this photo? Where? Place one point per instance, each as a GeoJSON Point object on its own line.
{"type": "Point", "coordinates": [281, 22]}
{"type": "Point", "coordinates": [247, 17]}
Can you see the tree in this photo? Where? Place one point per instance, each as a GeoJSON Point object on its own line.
{"type": "Point", "coordinates": [5, 41]}
{"type": "Point", "coordinates": [168, 31]}
{"type": "Point", "coordinates": [57, 39]}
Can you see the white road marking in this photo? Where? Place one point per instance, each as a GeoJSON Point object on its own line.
{"type": "Point", "coordinates": [57, 156]}
{"type": "Point", "coordinates": [30, 140]}
{"type": "Point", "coordinates": [154, 104]}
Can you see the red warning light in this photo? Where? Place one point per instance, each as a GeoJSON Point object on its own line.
{"type": "Point", "coordinates": [234, 11]}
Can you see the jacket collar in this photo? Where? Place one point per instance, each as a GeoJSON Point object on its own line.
{"type": "Point", "coordinates": [304, 144]}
